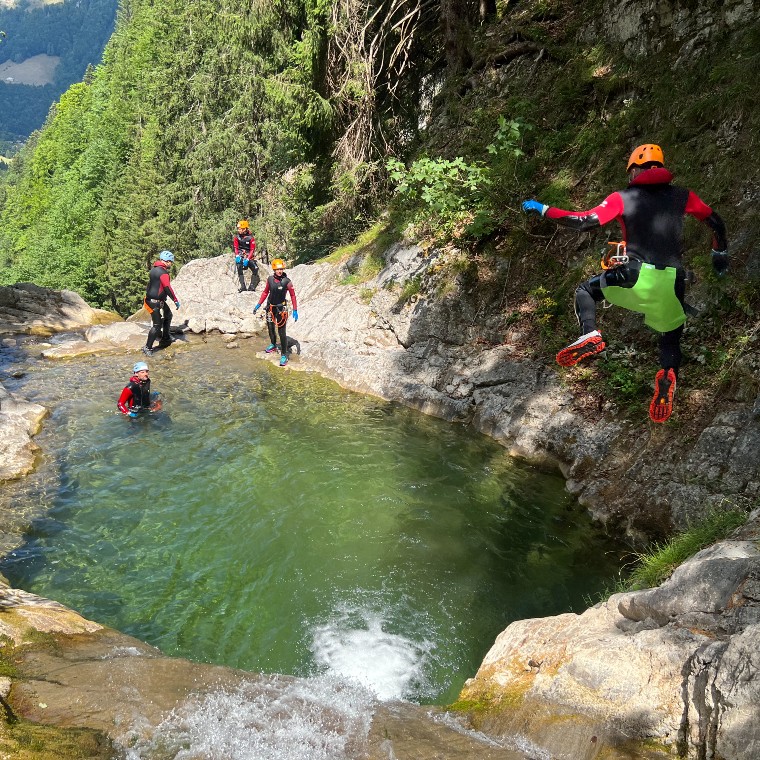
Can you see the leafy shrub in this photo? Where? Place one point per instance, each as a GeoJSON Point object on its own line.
{"type": "Point", "coordinates": [453, 194]}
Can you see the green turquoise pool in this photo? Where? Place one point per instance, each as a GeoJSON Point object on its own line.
{"type": "Point", "coordinates": [272, 521]}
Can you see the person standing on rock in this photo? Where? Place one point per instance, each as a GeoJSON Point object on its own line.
{"type": "Point", "coordinates": [136, 396]}
{"type": "Point", "coordinates": [275, 291]}
{"type": "Point", "coordinates": [159, 288]}
{"type": "Point", "coordinates": [244, 246]}
{"type": "Point", "coordinates": [645, 272]}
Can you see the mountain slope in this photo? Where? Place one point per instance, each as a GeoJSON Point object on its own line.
{"type": "Point", "coordinates": [47, 46]}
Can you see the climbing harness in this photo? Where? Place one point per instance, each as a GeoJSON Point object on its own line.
{"type": "Point", "coordinates": [278, 314]}
{"type": "Point", "coordinates": [615, 255]}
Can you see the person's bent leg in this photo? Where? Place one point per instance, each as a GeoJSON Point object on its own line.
{"type": "Point", "coordinates": [661, 406]}
{"type": "Point", "coordinates": [166, 322]}
{"type": "Point", "coordinates": [155, 330]}
{"type": "Point", "coordinates": [587, 295]}
{"type": "Point", "coordinates": [283, 344]}
{"type": "Point", "coordinates": [272, 334]}
{"type": "Point", "coordinates": [254, 276]}
{"type": "Point", "coordinates": [241, 277]}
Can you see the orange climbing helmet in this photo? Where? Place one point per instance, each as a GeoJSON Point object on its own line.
{"type": "Point", "coordinates": [645, 154]}
{"type": "Point", "coordinates": [243, 225]}
{"type": "Point", "coordinates": [278, 264]}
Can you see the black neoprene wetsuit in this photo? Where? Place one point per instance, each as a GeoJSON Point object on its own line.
{"type": "Point", "coordinates": [159, 288]}
{"type": "Point", "coordinates": [136, 395]}
{"type": "Point", "coordinates": [244, 247]}
{"type": "Point", "coordinates": [275, 293]}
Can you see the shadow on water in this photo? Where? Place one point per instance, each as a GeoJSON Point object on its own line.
{"type": "Point", "coordinates": [272, 521]}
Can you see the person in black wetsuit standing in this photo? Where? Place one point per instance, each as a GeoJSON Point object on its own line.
{"type": "Point", "coordinates": [647, 275]}
{"type": "Point", "coordinates": [158, 290]}
{"type": "Point", "coordinates": [275, 291]}
{"type": "Point", "coordinates": [244, 247]}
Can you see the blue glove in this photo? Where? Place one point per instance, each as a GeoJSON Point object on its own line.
{"type": "Point", "coordinates": [720, 262]}
{"type": "Point", "coordinates": [256, 307]}
{"type": "Point", "coordinates": [238, 259]}
{"type": "Point", "coordinates": [539, 208]}
{"type": "Point", "coordinates": [295, 315]}
{"type": "Point", "coordinates": [245, 263]}
{"type": "Point", "coordinates": [176, 303]}
{"type": "Point", "coordinates": [133, 414]}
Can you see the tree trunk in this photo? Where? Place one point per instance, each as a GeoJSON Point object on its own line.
{"type": "Point", "coordinates": [456, 34]}
{"type": "Point", "coordinates": [487, 10]}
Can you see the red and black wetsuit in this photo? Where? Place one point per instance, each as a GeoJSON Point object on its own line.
{"type": "Point", "coordinates": [244, 245]}
{"type": "Point", "coordinates": [245, 258]}
{"type": "Point", "coordinates": [651, 212]}
{"type": "Point", "coordinates": [135, 396]}
{"type": "Point", "coordinates": [159, 288]}
{"type": "Point", "coordinates": [275, 292]}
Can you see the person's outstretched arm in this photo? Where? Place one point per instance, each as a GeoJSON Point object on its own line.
{"type": "Point", "coordinates": [263, 298]}
{"type": "Point", "coordinates": [610, 208]}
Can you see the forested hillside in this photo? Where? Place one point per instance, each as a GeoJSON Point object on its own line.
{"type": "Point", "coordinates": [74, 31]}
{"type": "Point", "coordinates": [316, 119]}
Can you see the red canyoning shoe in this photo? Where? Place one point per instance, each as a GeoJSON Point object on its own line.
{"type": "Point", "coordinates": [587, 345]}
{"type": "Point", "coordinates": [662, 402]}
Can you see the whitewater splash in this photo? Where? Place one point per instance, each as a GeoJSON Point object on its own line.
{"type": "Point", "coordinates": [283, 719]}
{"type": "Point", "coordinates": [354, 646]}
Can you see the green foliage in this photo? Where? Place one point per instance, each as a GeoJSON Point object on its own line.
{"type": "Point", "coordinates": [656, 565]}
{"type": "Point", "coordinates": [546, 308]}
{"type": "Point", "coordinates": [441, 186]}
{"type": "Point", "coordinates": [373, 241]}
{"type": "Point", "coordinates": [201, 113]}
{"type": "Point", "coordinates": [370, 266]}
{"type": "Point", "coordinates": [454, 194]}
{"type": "Point", "coordinates": [627, 381]}
{"type": "Point", "coordinates": [508, 138]}
{"type": "Point", "coordinates": [410, 288]}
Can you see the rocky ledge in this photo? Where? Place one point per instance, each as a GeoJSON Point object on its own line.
{"type": "Point", "coordinates": [666, 671]}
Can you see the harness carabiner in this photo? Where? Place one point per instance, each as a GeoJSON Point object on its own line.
{"type": "Point", "coordinates": [615, 256]}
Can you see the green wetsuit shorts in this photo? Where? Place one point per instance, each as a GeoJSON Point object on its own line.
{"type": "Point", "coordinates": [653, 295]}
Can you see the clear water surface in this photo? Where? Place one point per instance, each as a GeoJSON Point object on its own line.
{"type": "Point", "coordinates": [269, 520]}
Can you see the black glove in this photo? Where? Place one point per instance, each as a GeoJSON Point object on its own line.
{"type": "Point", "coordinates": [720, 262]}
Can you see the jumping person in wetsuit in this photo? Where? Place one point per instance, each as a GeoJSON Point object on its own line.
{"type": "Point", "coordinates": [136, 394]}
{"type": "Point", "coordinates": [244, 246]}
{"type": "Point", "coordinates": [277, 287]}
{"type": "Point", "coordinates": [650, 211]}
{"type": "Point", "coordinates": [159, 288]}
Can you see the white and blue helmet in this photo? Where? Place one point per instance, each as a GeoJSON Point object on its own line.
{"type": "Point", "coordinates": [166, 256]}
{"type": "Point", "coordinates": [139, 367]}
